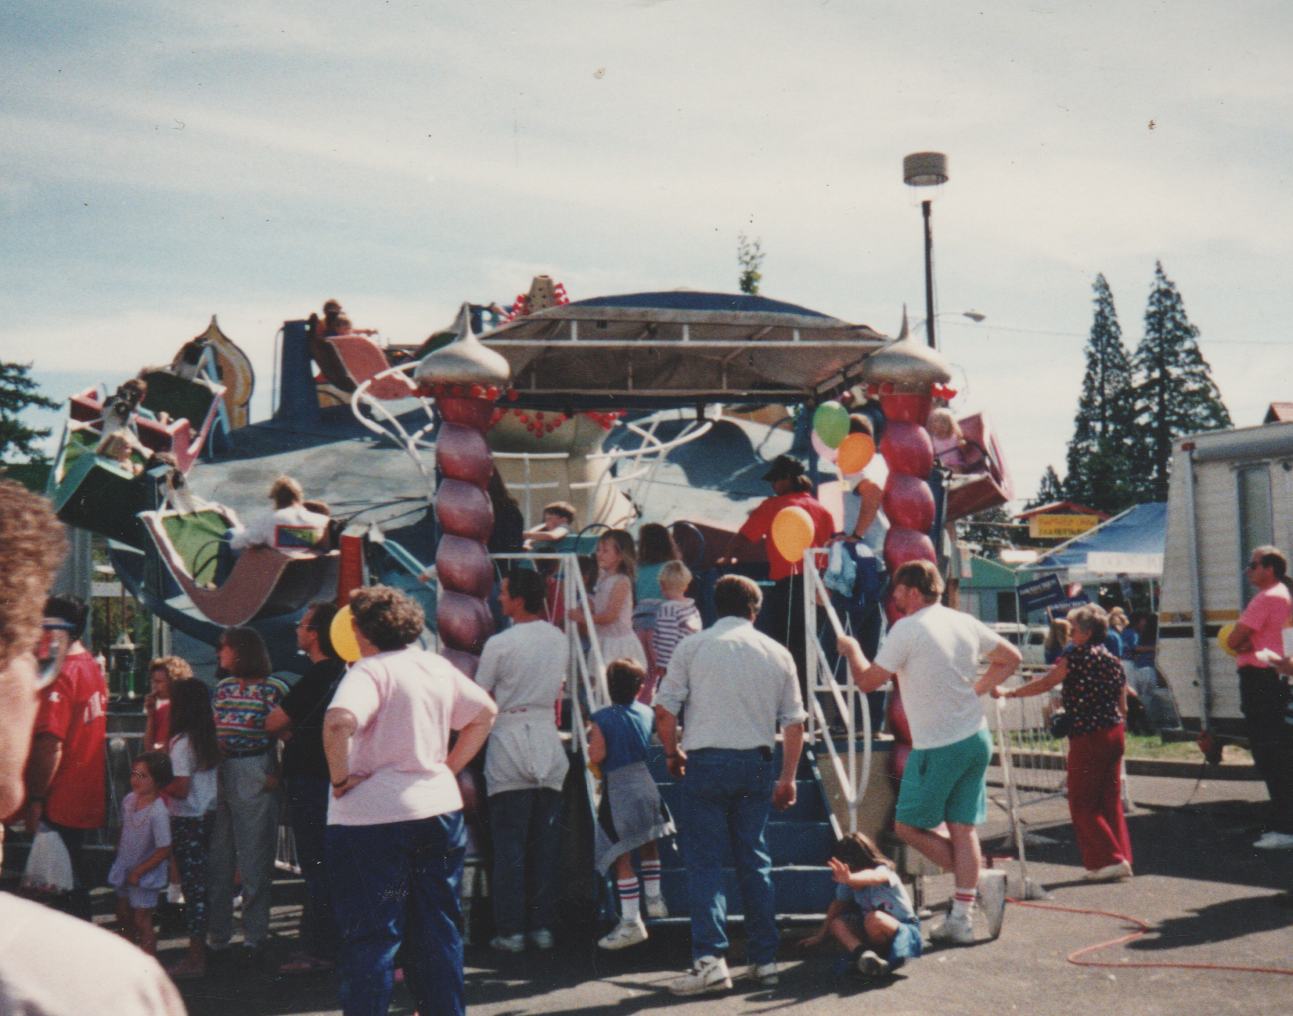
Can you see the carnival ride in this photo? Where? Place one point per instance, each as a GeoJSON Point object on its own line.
{"type": "Point", "coordinates": [614, 403]}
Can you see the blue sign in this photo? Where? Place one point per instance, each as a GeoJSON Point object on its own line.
{"type": "Point", "coordinates": [1061, 609]}
{"type": "Point", "coordinates": [1039, 593]}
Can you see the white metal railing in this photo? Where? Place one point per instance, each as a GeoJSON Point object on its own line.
{"type": "Point", "coordinates": [376, 416]}
{"type": "Point", "coordinates": [820, 680]}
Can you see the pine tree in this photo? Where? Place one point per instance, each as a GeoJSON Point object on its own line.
{"type": "Point", "coordinates": [1174, 393]}
{"type": "Point", "coordinates": [17, 393]}
{"type": "Point", "coordinates": [1049, 491]}
{"type": "Point", "coordinates": [1099, 456]}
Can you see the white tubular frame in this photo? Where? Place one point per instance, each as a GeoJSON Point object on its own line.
{"type": "Point", "coordinates": [821, 680]}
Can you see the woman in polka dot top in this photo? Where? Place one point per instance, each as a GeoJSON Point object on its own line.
{"type": "Point", "coordinates": [1095, 696]}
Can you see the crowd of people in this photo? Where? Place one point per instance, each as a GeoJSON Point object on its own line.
{"type": "Point", "coordinates": [373, 757]}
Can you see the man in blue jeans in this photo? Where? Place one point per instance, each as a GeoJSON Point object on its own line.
{"type": "Point", "coordinates": [738, 686]}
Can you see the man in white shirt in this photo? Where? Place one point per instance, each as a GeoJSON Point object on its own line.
{"type": "Point", "coordinates": [934, 651]}
{"type": "Point", "coordinates": [738, 686]}
{"type": "Point", "coordinates": [524, 668]}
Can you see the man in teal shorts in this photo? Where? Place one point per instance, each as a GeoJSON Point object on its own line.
{"type": "Point", "coordinates": [935, 653]}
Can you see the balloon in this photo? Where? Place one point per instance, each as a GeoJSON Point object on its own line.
{"type": "Point", "coordinates": [343, 636]}
{"type": "Point", "coordinates": [831, 421]}
{"type": "Point", "coordinates": [855, 452]}
{"type": "Point", "coordinates": [792, 533]}
{"type": "Point", "coordinates": [1223, 638]}
{"type": "Point", "coordinates": [822, 449]}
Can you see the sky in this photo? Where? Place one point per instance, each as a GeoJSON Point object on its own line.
{"type": "Point", "coordinates": [163, 162]}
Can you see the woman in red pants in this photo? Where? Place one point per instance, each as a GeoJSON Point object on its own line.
{"type": "Point", "coordinates": [1095, 696]}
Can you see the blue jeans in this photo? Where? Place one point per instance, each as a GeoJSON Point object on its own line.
{"type": "Point", "coordinates": [395, 883]}
{"type": "Point", "coordinates": [307, 797]}
{"type": "Point", "coordinates": [726, 798]}
{"type": "Point", "coordinates": [526, 826]}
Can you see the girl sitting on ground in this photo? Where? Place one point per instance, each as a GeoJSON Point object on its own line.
{"type": "Point", "coordinates": [631, 815]}
{"type": "Point", "coordinates": [882, 932]}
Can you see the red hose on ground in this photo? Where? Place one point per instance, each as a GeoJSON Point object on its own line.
{"type": "Point", "coordinates": [1073, 957]}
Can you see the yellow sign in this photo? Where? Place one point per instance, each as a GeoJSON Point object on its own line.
{"type": "Point", "coordinates": [1060, 527]}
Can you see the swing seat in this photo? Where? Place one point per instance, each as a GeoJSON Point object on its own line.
{"type": "Point", "coordinates": [265, 582]}
{"type": "Point", "coordinates": [99, 495]}
{"type": "Point", "coordinates": [361, 359]}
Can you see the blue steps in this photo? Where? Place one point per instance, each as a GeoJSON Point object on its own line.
{"type": "Point", "coordinates": [799, 840]}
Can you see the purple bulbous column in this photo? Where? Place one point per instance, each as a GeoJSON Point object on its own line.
{"type": "Point", "coordinates": [466, 379]}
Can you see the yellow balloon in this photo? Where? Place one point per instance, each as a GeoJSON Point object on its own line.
{"type": "Point", "coordinates": [343, 636]}
{"type": "Point", "coordinates": [1223, 638]}
{"type": "Point", "coordinates": [855, 452]}
{"type": "Point", "coordinates": [792, 533]}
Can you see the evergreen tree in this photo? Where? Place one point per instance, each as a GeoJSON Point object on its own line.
{"type": "Point", "coordinates": [749, 255]}
{"type": "Point", "coordinates": [1174, 393]}
{"type": "Point", "coordinates": [992, 529]}
{"type": "Point", "coordinates": [17, 393]}
{"type": "Point", "coordinates": [1049, 491]}
{"type": "Point", "coordinates": [1099, 456]}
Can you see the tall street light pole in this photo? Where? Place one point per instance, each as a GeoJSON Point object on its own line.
{"type": "Point", "coordinates": [926, 169]}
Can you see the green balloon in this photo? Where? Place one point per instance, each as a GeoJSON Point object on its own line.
{"type": "Point", "coordinates": [831, 421]}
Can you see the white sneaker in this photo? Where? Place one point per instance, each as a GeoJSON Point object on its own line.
{"type": "Point", "coordinates": [542, 939]}
{"type": "Point", "coordinates": [624, 934]}
{"type": "Point", "coordinates": [508, 943]}
{"type": "Point", "coordinates": [871, 965]}
{"type": "Point", "coordinates": [709, 974]}
{"type": "Point", "coordinates": [767, 974]}
{"type": "Point", "coordinates": [992, 899]}
{"type": "Point", "coordinates": [1110, 873]}
{"type": "Point", "coordinates": [955, 930]}
{"type": "Point", "coordinates": [1274, 841]}
{"type": "Point", "coordinates": [656, 908]}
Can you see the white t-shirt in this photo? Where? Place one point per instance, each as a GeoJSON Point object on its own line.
{"type": "Point", "coordinates": [202, 785]}
{"type": "Point", "coordinates": [524, 669]}
{"type": "Point", "coordinates": [290, 527]}
{"type": "Point", "coordinates": [55, 965]}
{"type": "Point", "coordinates": [935, 653]}
{"type": "Point", "coordinates": [406, 702]}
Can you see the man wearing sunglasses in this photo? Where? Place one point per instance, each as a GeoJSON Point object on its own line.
{"type": "Point", "coordinates": [66, 771]}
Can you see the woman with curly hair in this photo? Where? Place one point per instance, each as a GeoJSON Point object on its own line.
{"type": "Point", "coordinates": [395, 838]}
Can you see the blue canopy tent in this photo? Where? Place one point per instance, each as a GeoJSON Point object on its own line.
{"type": "Point", "coordinates": [1129, 544]}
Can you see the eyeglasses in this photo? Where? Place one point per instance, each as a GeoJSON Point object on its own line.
{"type": "Point", "coordinates": [57, 626]}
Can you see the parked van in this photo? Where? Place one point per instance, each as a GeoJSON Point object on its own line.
{"type": "Point", "coordinates": [1230, 491]}
{"type": "Point", "coordinates": [1027, 638]}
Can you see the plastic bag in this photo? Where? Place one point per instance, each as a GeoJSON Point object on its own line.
{"type": "Point", "coordinates": [841, 570]}
{"type": "Point", "coordinates": [49, 868]}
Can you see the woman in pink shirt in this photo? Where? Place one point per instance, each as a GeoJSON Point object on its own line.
{"type": "Point", "coordinates": [1263, 692]}
{"type": "Point", "coordinates": [395, 838]}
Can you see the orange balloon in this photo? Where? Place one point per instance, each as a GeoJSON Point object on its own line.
{"type": "Point", "coordinates": [855, 452]}
{"type": "Point", "coordinates": [792, 533]}
{"type": "Point", "coordinates": [343, 636]}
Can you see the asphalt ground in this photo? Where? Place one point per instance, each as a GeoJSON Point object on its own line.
{"type": "Point", "coordinates": [1209, 899]}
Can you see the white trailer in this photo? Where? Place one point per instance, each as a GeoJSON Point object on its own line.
{"type": "Point", "coordinates": [1230, 491]}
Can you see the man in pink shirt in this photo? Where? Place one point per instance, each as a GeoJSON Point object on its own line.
{"type": "Point", "coordinates": [1263, 692]}
{"type": "Point", "coordinates": [395, 839]}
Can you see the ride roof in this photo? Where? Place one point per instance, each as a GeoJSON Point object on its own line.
{"type": "Point", "coordinates": [654, 350]}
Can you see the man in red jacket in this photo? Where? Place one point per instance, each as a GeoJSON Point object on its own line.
{"type": "Point", "coordinates": [782, 617]}
{"type": "Point", "coordinates": [66, 772]}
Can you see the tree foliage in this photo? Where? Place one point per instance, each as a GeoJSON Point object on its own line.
{"type": "Point", "coordinates": [1049, 491]}
{"type": "Point", "coordinates": [1099, 453]}
{"type": "Point", "coordinates": [749, 255]}
{"type": "Point", "coordinates": [19, 392]}
{"type": "Point", "coordinates": [1174, 393]}
{"type": "Point", "coordinates": [992, 529]}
